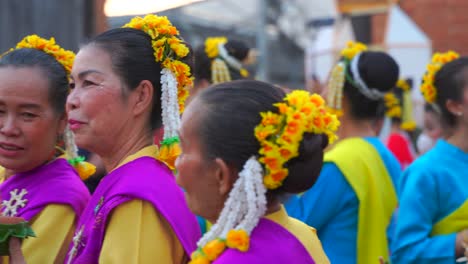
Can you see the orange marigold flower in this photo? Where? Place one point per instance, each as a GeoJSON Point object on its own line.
{"type": "Point", "coordinates": [238, 239]}
{"type": "Point", "coordinates": [213, 249]}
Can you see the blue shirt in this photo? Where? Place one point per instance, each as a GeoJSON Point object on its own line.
{"type": "Point", "coordinates": [433, 187]}
{"type": "Point", "coordinates": [331, 206]}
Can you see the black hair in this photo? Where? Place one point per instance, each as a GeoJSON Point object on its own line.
{"type": "Point", "coordinates": [54, 72]}
{"type": "Point", "coordinates": [231, 111]}
{"type": "Point", "coordinates": [133, 60]}
{"type": "Point", "coordinates": [450, 82]}
{"type": "Point", "coordinates": [239, 50]}
{"type": "Point", "coordinates": [379, 71]}
{"type": "Point", "coordinates": [202, 69]}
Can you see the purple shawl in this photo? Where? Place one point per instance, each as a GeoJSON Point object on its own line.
{"type": "Point", "coordinates": [269, 243]}
{"type": "Point", "coordinates": [145, 179]}
{"type": "Point", "coordinates": [53, 183]}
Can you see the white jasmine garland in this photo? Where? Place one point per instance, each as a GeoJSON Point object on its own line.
{"type": "Point", "coordinates": [71, 150]}
{"type": "Point", "coordinates": [245, 205]}
{"type": "Point", "coordinates": [169, 104]}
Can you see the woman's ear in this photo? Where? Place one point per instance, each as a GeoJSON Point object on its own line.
{"type": "Point", "coordinates": [142, 97]}
{"type": "Point", "coordinates": [454, 107]}
{"type": "Point", "coordinates": [225, 176]}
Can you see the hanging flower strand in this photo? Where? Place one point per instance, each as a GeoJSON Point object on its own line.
{"type": "Point", "coordinates": [169, 51]}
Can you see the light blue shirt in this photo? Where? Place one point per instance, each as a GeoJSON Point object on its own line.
{"type": "Point", "coordinates": [433, 187]}
{"type": "Point", "coordinates": [331, 206]}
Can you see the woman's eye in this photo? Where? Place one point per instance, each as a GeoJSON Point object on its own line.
{"type": "Point", "coordinates": [71, 86]}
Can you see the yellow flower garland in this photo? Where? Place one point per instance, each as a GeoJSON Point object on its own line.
{"type": "Point", "coordinates": [280, 134]}
{"type": "Point", "coordinates": [393, 105]}
{"type": "Point", "coordinates": [64, 57]}
{"type": "Point", "coordinates": [427, 88]}
{"type": "Point", "coordinates": [169, 49]}
{"type": "Point", "coordinates": [338, 76]}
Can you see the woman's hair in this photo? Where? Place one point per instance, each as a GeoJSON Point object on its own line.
{"type": "Point", "coordinates": [450, 82]}
{"type": "Point", "coordinates": [231, 111]}
{"type": "Point", "coordinates": [202, 68]}
{"type": "Point", "coordinates": [378, 71]}
{"type": "Point", "coordinates": [133, 60]}
{"type": "Point", "coordinates": [52, 70]}
{"type": "Point", "coordinates": [239, 50]}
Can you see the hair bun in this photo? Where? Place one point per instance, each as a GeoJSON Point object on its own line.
{"type": "Point", "coordinates": [378, 70]}
{"type": "Point", "coordinates": [305, 169]}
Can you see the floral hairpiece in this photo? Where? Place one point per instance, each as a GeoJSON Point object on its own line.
{"type": "Point", "coordinates": [169, 50]}
{"type": "Point", "coordinates": [279, 135]}
{"type": "Point", "coordinates": [215, 50]}
{"type": "Point", "coordinates": [427, 88]}
{"type": "Point", "coordinates": [65, 58]}
{"type": "Point", "coordinates": [393, 105]}
{"type": "Point", "coordinates": [338, 75]}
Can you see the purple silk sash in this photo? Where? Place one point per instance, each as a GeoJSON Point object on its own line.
{"type": "Point", "coordinates": [145, 179]}
{"type": "Point", "coordinates": [269, 243]}
{"type": "Point", "coordinates": [53, 183]}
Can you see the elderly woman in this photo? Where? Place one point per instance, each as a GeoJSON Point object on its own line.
{"type": "Point", "coordinates": [125, 83]}
{"type": "Point", "coordinates": [39, 187]}
{"type": "Point", "coordinates": [244, 145]}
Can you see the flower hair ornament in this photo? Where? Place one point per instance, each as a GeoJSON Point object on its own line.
{"type": "Point", "coordinates": [215, 50]}
{"type": "Point", "coordinates": [427, 88]}
{"type": "Point", "coordinates": [169, 50]}
{"type": "Point", "coordinates": [396, 108]}
{"type": "Point", "coordinates": [279, 135]}
{"type": "Point", "coordinates": [65, 58]}
{"type": "Point", "coordinates": [339, 74]}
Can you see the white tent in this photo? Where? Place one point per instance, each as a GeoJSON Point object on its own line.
{"type": "Point", "coordinates": [411, 48]}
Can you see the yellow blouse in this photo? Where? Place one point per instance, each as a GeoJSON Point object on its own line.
{"type": "Point", "coordinates": [304, 233]}
{"type": "Point", "coordinates": [137, 233]}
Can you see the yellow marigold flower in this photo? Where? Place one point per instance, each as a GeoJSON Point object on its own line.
{"type": "Point", "coordinates": [408, 126]}
{"type": "Point", "coordinates": [404, 85]}
{"type": "Point", "coordinates": [352, 49]}
{"type": "Point", "coordinates": [211, 46]}
{"type": "Point", "coordinates": [168, 154]}
{"type": "Point", "coordinates": [394, 112]}
{"type": "Point", "coordinates": [85, 169]}
{"type": "Point", "coordinates": [213, 249]}
{"type": "Point", "coordinates": [238, 239]}
{"type": "Point", "coordinates": [244, 73]}
{"type": "Point", "coordinates": [300, 112]}
{"type": "Point", "coordinates": [270, 118]}
{"type": "Point", "coordinates": [64, 57]}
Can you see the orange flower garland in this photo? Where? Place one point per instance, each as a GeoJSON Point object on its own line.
{"type": "Point", "coordinates": [169, 49]}
{"type": "Point", "coordinates": [280, 133]}
{"type": "Point", "coordinates": [427, 88]}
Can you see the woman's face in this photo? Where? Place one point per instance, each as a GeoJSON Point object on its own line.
{"type": "Point", "coordinates": [29, 126]}
{"type": "Point", "coordinates": [195, 173]}
{"type": "Point", "coordinates": [96, 107]}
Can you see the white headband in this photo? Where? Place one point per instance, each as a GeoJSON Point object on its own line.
{"type": "Point", "coordinates": [233, 62]}
{"type": "Point", "coordinates": [370, 93]}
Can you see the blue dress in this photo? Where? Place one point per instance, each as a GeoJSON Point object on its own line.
{"type": "Point", "coordinates": [433, 187]}
{"type": "Point", "coordinates": [331, 206]}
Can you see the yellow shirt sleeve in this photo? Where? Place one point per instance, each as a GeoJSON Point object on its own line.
{"type": "Point", "coordinates": [54, 227]}
{"type": "Point", "coordinates": [137, 233]}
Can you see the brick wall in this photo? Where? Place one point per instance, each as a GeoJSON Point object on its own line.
{"type": "Point", "coordinates": [444, 21]}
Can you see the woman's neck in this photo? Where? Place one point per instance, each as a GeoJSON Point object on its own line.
{"type": "Point", "coordinates": [129, 143]}
{"type": "Point", "coordinates": [355, 128]}
{"type": "Point", "coordinates": [458, 138]}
